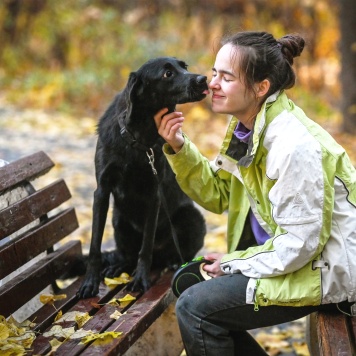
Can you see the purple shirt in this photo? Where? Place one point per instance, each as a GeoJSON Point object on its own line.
{"type": "Point", "coordinates": [243, 134]}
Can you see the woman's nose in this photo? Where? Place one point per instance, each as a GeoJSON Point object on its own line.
{"type": "Point", "coordinates": [213, 83]}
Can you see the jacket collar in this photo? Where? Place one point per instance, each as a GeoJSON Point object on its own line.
{"type": "Point", "coordinates": [238, 151]}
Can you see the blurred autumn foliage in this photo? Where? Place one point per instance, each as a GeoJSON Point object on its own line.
{"type": "Point", "coordinates": [74, 55]}
{"type": "Point", "coordinates": [71, 57]}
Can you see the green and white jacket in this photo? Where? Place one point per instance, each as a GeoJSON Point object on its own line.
{"type": "Point", "coordinates": [301, 186]}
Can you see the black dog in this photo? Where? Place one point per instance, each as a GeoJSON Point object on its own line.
{"type": "Point", "coordinates": [128, 154]}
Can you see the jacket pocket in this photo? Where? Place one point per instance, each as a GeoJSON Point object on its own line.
{"type": "Point", "coordinates": [300, 288]}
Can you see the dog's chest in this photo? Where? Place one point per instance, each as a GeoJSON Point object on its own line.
{"type": "Point", "coordinates": [135, 178]}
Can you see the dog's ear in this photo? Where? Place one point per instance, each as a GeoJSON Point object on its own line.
{"type": "Point", "coordinates": [134, 86]}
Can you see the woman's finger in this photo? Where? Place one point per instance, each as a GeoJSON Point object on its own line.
{"type": "Point", "coordinates": [158, 117]}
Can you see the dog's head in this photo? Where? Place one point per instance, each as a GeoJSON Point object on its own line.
{"type": "Point", "coordinates": [165, 82]}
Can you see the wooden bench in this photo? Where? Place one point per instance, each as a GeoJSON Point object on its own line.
{"type": "Point", "coordinates": [331, 334]}
{"type": "Point", "coordinates": [33, 223]}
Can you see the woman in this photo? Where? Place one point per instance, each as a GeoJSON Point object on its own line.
{"type": "Point", "coordinates": [290, 192]}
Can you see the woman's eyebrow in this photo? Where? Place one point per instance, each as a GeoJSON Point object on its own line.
{"type": "Point", "coordinates": [223, 71]}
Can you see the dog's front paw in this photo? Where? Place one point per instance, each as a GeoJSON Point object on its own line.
{"type": "Point", "coordinates": [139, 284]}
{"type": "Point", "coordinates": [90, 286]}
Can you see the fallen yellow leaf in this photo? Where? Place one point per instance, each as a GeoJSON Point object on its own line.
{"type": "Point", "coordinates": [102, 338]}
{"type": "Point", "coordinates": [15, 337]}
{"type": "Point", "coordinates": [115, 315]}
{"type": "Point", "coordinates": [54, 345]}
{"type": "Point", "coordinates": [122, 279]}
{"type": "Point", "coordinates": [4, 331]}
{"type": "Point", "coordinates": [81, 333]}
{"type": "Point", "coordinates": [50, 299]}
{"type": "Point", "coordinates": [25, 340]}
{"type": "Point", "coordinates": [81, 319]}
{"type": "Point", "coordinates": [58, 332]}
{"type": "Point", "coordinates": [115, 302]}
{"type": "Point", "coordinates": [58, 316]}
{"type": "Point", "coordinates": [127, 298]}
{"type": "Point", "coordinates": [10, 349]}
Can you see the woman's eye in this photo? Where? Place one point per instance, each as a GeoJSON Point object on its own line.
{"type": "Point", "coordinates": [168, 74]}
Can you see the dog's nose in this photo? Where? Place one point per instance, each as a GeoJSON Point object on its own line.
{"type": "Point", "coordinates": [201, 79]}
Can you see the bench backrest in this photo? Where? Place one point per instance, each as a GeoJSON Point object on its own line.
{"type": "Point", "coordinates": [31, 223]}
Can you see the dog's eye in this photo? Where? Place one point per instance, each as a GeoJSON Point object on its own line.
{"type": "Point", "coordinates": [168, 74]}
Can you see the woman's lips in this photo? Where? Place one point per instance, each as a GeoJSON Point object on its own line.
{"type": "Point", "coordinates": [217, 96]}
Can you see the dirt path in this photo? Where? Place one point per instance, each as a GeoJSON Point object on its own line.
{"type": "Point", "coordinates": [70, 144]}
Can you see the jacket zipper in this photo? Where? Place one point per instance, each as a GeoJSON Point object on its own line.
{"type": "Point", "coordinates": [254, 298]}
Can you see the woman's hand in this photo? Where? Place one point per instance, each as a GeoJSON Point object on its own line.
{"type": "Point", "coordinates": [214, 269]}
{"type": "Point", "coordinates": [170, 128]}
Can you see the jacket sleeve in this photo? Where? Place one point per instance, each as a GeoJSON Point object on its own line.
{"type": "Point", "coordinates": [300, 210]}
{"type": "Point", "coordinates": [198, 178]}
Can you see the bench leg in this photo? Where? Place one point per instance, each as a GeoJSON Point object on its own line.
{"type": "Point", "coordinates": [311, 335]}
{"type": "Point", "coordinates": [161, 338]}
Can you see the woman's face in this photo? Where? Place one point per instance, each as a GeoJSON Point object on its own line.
{"type": "Point", "coordinates": [229, 93]}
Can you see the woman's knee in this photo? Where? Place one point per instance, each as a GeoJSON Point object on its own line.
{"type": "Point", "coordinates": [190, 301]}
{"type": "Point", "coordinates": [185, 304]}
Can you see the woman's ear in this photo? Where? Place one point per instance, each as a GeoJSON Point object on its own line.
{"type": "Point", "coordinates": [262, 88]}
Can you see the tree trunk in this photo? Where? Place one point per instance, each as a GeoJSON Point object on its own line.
{"type": "Point", "coordinates": [348, 64]}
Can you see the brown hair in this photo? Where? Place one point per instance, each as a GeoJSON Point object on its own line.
{"type": "Point", "coordinates": [263, 57]}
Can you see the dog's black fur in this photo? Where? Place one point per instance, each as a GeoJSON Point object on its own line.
{"type": "Point", "coordinates": [141, 226]}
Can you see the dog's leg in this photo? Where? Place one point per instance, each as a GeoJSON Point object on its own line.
{"type": "Point", "coordinates": [126, 252]}
{"type": "Point", "coordinates": [142, 277]}
{"type": "Point", "coordinates": [90, 286]}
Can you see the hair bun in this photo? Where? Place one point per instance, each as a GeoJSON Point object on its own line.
{"type": "Point", "coordinates": [291, 46]}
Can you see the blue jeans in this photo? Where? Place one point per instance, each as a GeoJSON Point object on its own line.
{"type": "Point", "coordinates": [213, 317]}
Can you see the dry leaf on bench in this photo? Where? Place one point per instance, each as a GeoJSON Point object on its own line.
{"type": "Point", "coordinates": [50, 299]}
{"type": "Point", "coordinates": [122, 279]}
{"type": "Point", "coordinates": [79, 317]}
{"type": "Point", "coordinates": [102, 338]}
{"type": "Point", "coordinates": [58, 332]}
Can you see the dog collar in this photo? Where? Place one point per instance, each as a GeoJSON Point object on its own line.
{"type": "Point", "coordinates": [128, 136]}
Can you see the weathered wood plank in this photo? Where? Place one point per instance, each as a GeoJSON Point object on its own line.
{"type": "Point", "coordinates": [28, 284]}
{"type": "Point", "coordinates": [32, 207]}
{"type": "Point", "coordinates": [24, 169]}
{"type": "Point", "coordinates": [138, 318]}
{"type": "Point", "coordinates": [333, 334]}
{"type": "Point", "coordinates": [41, 345]}
{"type": "Point", "coordinates": [100, 322]}
{"type": "Point", "coordinates": [45, 316]}
{"type": "Point", "coordinates": [352, 333]}
{"type": "Point", "coordinates": [16, 253]}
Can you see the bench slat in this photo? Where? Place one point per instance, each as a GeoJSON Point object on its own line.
{"type": "Point", "coordinates": [100, 322]}
{"type": "Point", "coordinates": [27, 168]}
{"type": "Point", "coordinates": [41, 345]}
{"type": "Point", "coordinates": [37, 240]}
{"type": "Point", "coordinates": [28, 284]}
{"type": "Point", "coordinates": [333, 332]}
{"type": "Point", "coordinates": [139, 317]}
{"type": "Point", "coordinates": [32, 207]}
{"type": "Point", "coordinates": [44, 317]}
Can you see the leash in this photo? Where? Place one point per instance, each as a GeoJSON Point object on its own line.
{"type": "Point", "coordinates": [131, 140]}
{"type": "Point", "coordinates": [151, 161]}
